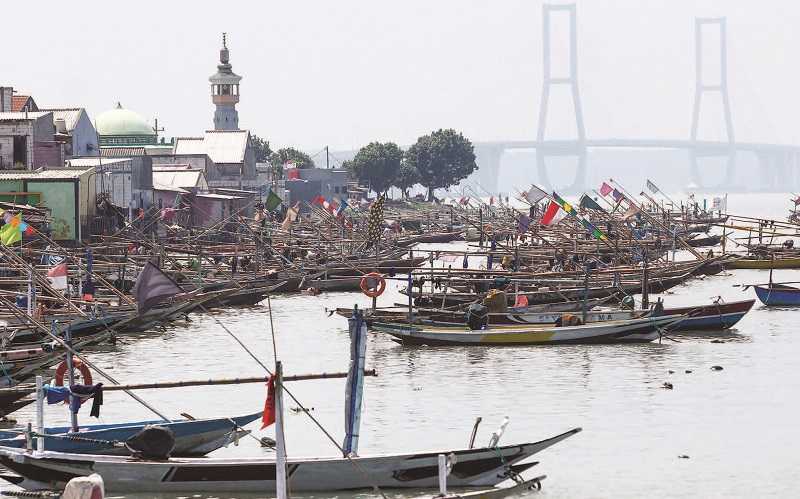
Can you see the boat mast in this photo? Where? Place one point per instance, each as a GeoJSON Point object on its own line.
{"type": "Point", "coordinates": [281, 489]}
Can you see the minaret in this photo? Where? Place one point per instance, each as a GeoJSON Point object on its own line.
{"type": "Point", "coordinates": [225, 91]}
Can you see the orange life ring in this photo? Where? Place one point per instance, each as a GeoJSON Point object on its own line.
{"type": "Point", "coordinates": [61, 370]}
{"type": "Point", "coordinates": [373, 292]}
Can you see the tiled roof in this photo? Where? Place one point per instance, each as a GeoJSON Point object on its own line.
{"type": "Point", "coordinates": [18, 102]}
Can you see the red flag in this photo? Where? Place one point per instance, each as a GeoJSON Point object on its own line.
{"type": "Point", "coordinates": [268, 417]}
{"type": "Point", "coordinates": [605, 189]}
{"type": "Point", "coordinates": [318, 200]}
{"type": "Point", "coordinates": [553, 214]}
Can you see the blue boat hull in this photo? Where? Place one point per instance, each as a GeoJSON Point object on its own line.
{"type": "Point", "coordinates": [778, 296]}
{"type": "Point", "coordinates": [192, 437]}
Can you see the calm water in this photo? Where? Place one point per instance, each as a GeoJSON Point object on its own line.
{"type": "Point", "coordinates": [739, 425]}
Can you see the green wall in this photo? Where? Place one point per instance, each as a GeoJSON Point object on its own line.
{"type": "Point", "coordinates": [60, 198]}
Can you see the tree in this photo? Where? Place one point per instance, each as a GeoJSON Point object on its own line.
{"type": "Point", "coordinates": [261, 148]}
{"type": "Point", "coordinates": [407, 177]}
{"type": "Point", "coordinates": [287, 154]}
{"type": "Point", "coordinates": [376, 164]}
{"type": "Point", "coordinates": [443, 158]}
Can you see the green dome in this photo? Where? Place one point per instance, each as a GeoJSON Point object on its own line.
{"type": "Point", "coordinates": [122, 122]}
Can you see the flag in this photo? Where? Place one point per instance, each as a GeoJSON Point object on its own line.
{"type": "Point", "coordinates": [152, 287]}
{"type": "Point", "coordinates": [464, 200]}
{"type": "Point", "coordinates": [330, 205]}
{"type": "Point", "coordinates": [588, 203]}
{"type": "Point", "coordinates": [318, 200]}
{"type": "Point", "coordinates": [58, 276]}
{"type": "Point", "coordinates": [652, 187]}
{"type": "Point", "coordinates": [291, 216]}
{"type": "Point", "coordinates": [523, 223]}
{"type": "Point", "coordinates": [797, 200]}
{"type": "Point", "coordinates": [375, 221]}
{"type": "Point", "coordinates": [565, 205]}
{"type": "Point", "coordinates": [534, 194]}
{"type": "Point", "coordinates": [605, 189]}
{"type": "Point", "coordinates": [617, 195]}
{"type": "Point", "coordinates": [273, 201]}
{"type": "Point", "coordinates": [176, 203]}
{"type": "Point", "coordinates": [553, 214]}
{"type": "Point", "coordinates": [268, 416]}
{"type": "Point", "coordinates": [491, 200]}
{"type": "Point", "coordinates": [11, 231]}
{"type": "Point", "coordinates": [340, 209]}
{"type": "Point", "coordinates": [631, 212]}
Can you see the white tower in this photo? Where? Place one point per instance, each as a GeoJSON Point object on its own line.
{"type": "Point", "coordinates": [225, 91]}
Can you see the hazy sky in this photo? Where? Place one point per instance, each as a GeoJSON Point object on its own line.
{"type": "Point", "coordinates": [348, 72]}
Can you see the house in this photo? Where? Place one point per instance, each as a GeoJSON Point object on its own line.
{"type": "Point", "coordinates": [233, 161]}
{"type": "Point", "coordinates": [28, 141]}
{"type": "Point", "coordinates": [305, 184]}
{"type": "Point", "coordinates": [74, 124]}
{"type": "Point", "coordinates": [68, 193]}
{"type": "Point", "coordinates": [172, 184]}
{"type": "Point", "coordinates": [126, 182]}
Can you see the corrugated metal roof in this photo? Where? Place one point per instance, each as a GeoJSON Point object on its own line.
{"type": "Point", "coordinates": [222, 197]}
{"type": "Point", "coordinates": [87, 162]}
{"type": "Point", "coordinates": [31, 115]}
{"type": "Point", "coordinates": [69, 115]}
{"type": "Point", "coordinates": [179, 178]}
{"type": "Point", "coordinates": [124, 152]}
{"type": "Point", "coordinates": [46, 174]}
{"type": "Point", "coordinates": [222, 146]}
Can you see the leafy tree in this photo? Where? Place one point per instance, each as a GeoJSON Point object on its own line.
{"type": "Point", "coordinates": [282, 156]}
{"type": "Point", "coordinates": [376, 164]}
{"type": "Point", "coordinates": [261, 148]}
{"type": "Point", "coordinates": [443, 158]}
{"type": "Point", "coordinates": [407, 177]}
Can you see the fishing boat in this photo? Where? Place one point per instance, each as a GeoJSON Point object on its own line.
{"type": "Point", "coordinates": [624, 331]}
{"type": "Point", "coordinates": [193, 437]}
{"type": "Point", "coordinates": [764, 263]}
{"type": "Point", "coordinates": [486, 466]}
{"type": "Point", "coordinates": [778, 295]}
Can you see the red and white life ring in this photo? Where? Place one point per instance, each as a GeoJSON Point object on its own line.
{"type": "Point", "coordinates": [372, 277]}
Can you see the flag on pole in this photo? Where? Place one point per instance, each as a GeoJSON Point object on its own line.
{"type": "Point", "coordinates": [340, 209]}
{"type": "Point", "coordinates": [631, 212]}
{"type": "Point", "coordinates": [273, 201]}
{"type": "Point", "coordinates": [553, 214]}
{"type": "Point", "coordinates": [153, 287]}
{"type": "Point", "coordinates": [291, 216]}
{"type": "Point", "coordinates": [58, 276]}
{"type": "Point", "coordinates": [617, 195]}
{"type": "Point", "coordinates": [523, 223]}
{"type": "Point", "coordinates": [320, 200]}
{"type": "Point", "coordinates": [652, 187]}
{"type": "Point", "coordinates": [568, 208]}
{"type": "Point", "coordinates": [268, 416]}
{"type": "Point", "coordinates": [12, 230]}
{"type": "Point", "coordinates": [534, 194]}
{"type": "Point", "coordinates": [606, 189]}
{"type": "Point", "coordinates": [587, 203]}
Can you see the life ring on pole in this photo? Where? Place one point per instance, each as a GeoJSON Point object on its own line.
{"type": "Point", "coordinates": [61, 370]}
{"type": "Point", "coordinates": [371, 278]}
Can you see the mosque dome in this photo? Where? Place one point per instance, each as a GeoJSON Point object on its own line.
{"type": "Point", "coordinates": [123, 127]}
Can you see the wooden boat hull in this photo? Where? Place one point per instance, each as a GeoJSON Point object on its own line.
{"type": "Point", "coordinates": [778, 296]}
{"type": "Point", "coordinates": [192, 437]}
{"type": "Point", "coordinates": [630, 331]}
{"type": "Point", "coordinates": [710, 317]}
{"type": "Point", "coordinates": [752, 263]}
{"type": "Point", "coordinates": [474, 467]}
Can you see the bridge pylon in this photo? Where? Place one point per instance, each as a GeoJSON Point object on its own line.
{"type": "Point", "coordinates": [578, 149]}
{"type": "Point", "coordinates": [719, 87]}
